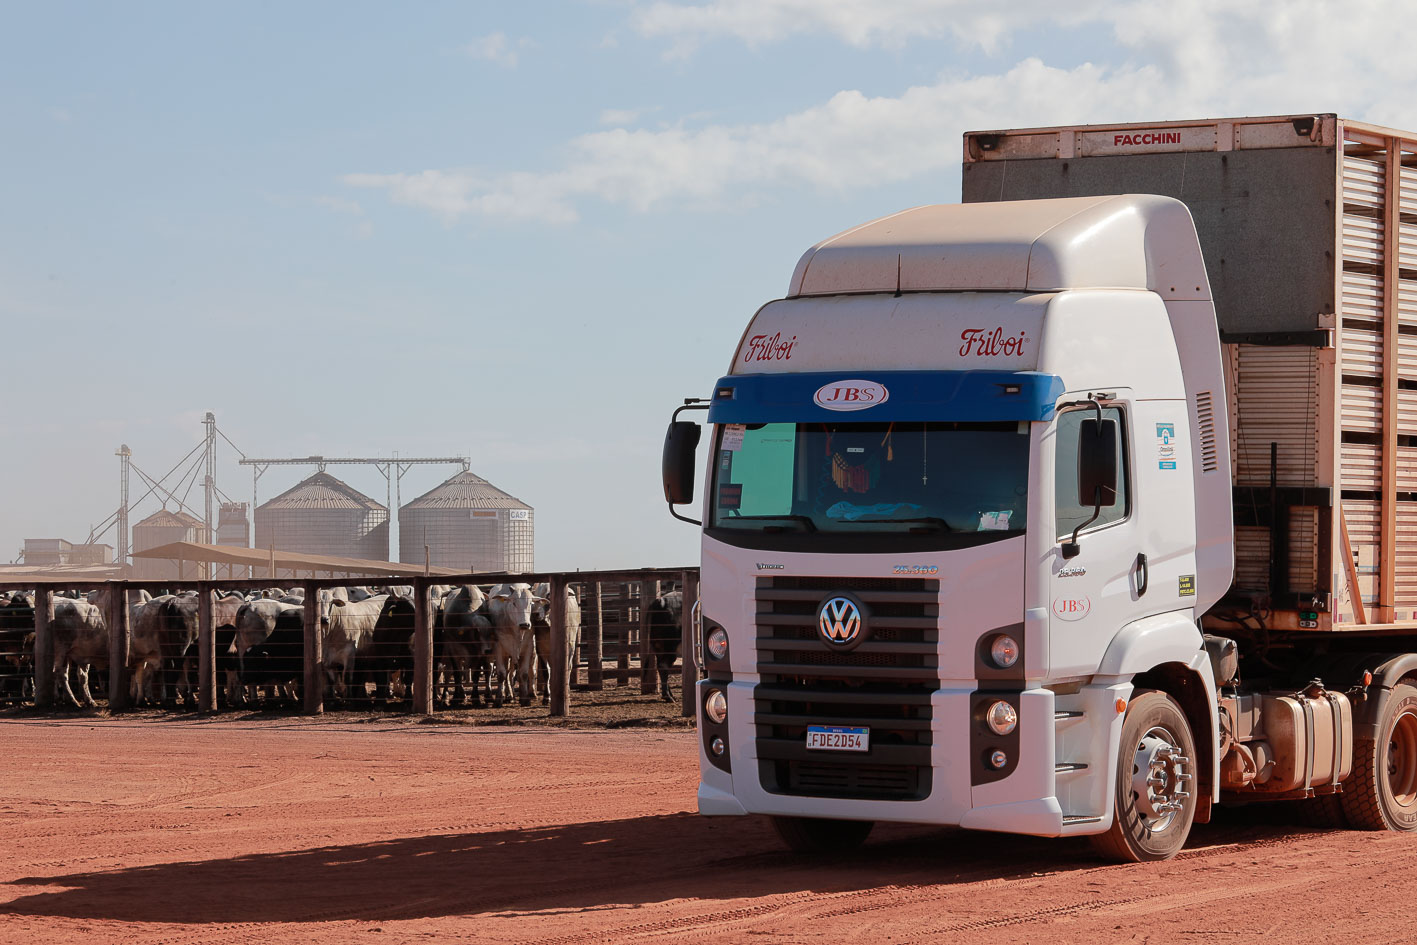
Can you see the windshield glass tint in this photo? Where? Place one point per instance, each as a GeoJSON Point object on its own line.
{"type": "Point", "coordinates": [872, 477]}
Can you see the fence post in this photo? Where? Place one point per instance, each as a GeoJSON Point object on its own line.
{"type": "Point", "coordinates": [649, 679]}
{"type": "Point", "coordinates": [43, 648]}
{"type": "Point", "coordinates": [622, 636]}
{"type": "Point", "coordinates": [422, 648]}
{"type": "Point", "coordinates": [689, 665]}
{"type": "Point", "coordinates": [595, 640]}
{"type": "Point", "coordinates": [560, 657]}
{"type": "Point", "coordinates": [314, 682]}
{"type": "Point", "coordinates": [118, 635]}
{"type": "Point", "coordinates": [206, 649]}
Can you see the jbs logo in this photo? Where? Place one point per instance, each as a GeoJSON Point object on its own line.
{"type": "Point", "coordinates": [1071, 608]}
{"type": "Point", "coordinates": [852, 394]}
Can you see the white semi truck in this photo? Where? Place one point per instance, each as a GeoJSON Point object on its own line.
{"type": "Point", "coordinates": [1079, 507]}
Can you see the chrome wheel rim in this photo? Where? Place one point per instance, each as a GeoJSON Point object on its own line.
{"type": "Point", "coordinates": [1161, 775]}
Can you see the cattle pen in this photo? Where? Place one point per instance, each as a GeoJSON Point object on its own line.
{"type": "Point", "coordinates": [602, 592]}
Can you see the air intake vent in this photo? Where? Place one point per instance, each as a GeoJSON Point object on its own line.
{"type": "Point", "coordinates": [1205, 418]}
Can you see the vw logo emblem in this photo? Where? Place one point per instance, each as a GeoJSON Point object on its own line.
{"type": "Point", "coordinates": [839, 621]}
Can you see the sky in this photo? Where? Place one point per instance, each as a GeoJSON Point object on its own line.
{"type": "Point", "coordinates": [516, 232]}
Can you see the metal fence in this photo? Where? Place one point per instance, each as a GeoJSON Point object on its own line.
{"type": "Point", "coordinates": [615, 622]}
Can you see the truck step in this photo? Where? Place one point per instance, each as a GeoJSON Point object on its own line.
{"type": "Point", "coordinates": [1080, 819]}
{"type": "Point", "coordinates": [1060, 716]}
{"type": "Point", "coordinates": [1069, 766]}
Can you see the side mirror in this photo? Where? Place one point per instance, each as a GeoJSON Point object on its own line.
{"type": "Point", "coordinates": [680, 444]}
{"type": "Point", "coordinates": [1097, 463]}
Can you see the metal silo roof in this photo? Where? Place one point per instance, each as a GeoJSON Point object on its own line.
{"type": "Point", "coordinates": [466, 491]}
{"type": "Point", "coordinates": [321, 491]}
{"type": "Point", "coordinates": [163, 518]}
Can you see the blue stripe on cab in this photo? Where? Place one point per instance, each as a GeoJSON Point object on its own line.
{"type": "Point", "coordinates": [939, 396]}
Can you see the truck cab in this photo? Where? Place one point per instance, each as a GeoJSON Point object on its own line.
{"type": "Point", "coordinates": [965, 485]}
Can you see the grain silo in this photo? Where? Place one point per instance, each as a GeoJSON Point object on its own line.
{"type": "Point", "coordinates": [162, 528]}
{"type": "Point", "coordinates": [233, 525]}
{"type": "Point", "coordinates": [324, 516]}
{"type": "Point", "coordinates": [468, 524]}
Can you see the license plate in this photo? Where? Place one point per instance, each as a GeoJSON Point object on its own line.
{"type": "Point", "coordinates": [838, 738]}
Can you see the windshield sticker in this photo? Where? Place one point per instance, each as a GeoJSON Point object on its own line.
{"type": "Point", "coordinates": [1165, 446]}
{"type": "Point", "coordinates": [733, 436]}
{"type": "Point", "coordinates": [851, 394]}
{"type": "Point", "coordinates": [730, 496]}
{"type": "Point", "coordinates": [994, 521]}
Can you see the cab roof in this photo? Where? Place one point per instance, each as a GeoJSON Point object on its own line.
{"type": "Point", "coordinates": [1135, 241]}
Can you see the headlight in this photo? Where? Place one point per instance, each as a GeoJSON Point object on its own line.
{"type": "Point", "coordinates": [1002, 718]}
{"type": "Point", "coordinates": [717, 643]}
{"type": "Point", "coordinates": [1004, 651]}
{"type": "Point", "coordinates": [997, 758]}
{"type": "Point", "coordinates": [716, 706]}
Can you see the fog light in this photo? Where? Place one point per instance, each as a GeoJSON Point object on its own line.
{"type": "Point", "coordinates": [716, 746]}
{"type": "Point", "coordinates": [998, 759]}
{"type": "Point", "coordinates": [716, 706]}
{"type": "Point", "coordinates": [1002, 718]}
{"type": "Point", "coordinates": [717, 643]}
{"type": "Point", "coordinates": [1004, 651]}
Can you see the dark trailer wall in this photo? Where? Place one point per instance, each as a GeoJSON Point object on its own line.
{"type": "Point", "coordinates": [1309, 226]}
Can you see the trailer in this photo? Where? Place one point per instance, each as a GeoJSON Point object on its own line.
{"type": "Point", "coordinates": [1081, 506]}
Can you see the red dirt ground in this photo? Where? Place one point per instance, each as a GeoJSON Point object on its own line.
{"type": "Point", "coordinates": [384, 831]}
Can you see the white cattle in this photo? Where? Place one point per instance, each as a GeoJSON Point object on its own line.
{"type": "Point", "coordinates": [80, 639]}
{"type": "Point", "coordinates": [351, 630]}
{"type": "Point", "coordinates": [510, 608]}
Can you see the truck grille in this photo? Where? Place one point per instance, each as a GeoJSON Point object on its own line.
{"type": "Point", "coordinates": [884, 684]}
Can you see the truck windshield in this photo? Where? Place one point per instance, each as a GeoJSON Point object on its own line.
{"type": "Point", "coordinates": [871, 479]}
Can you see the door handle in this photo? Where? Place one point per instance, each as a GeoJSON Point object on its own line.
{"type": "Point", "coordinates": [1143, 575]}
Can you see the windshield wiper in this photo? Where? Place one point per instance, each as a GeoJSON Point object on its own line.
{"type": "Point", "coordinates": [804, 520]}
{"type": "Point", "coordinates": [939, 523]}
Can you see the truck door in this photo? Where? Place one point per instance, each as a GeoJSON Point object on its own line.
{"type": "Point", "coordinates": [1095, 592]}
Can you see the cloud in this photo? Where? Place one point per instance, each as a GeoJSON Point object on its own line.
{"type": "Point", "coordinates": [340, 205]}
{"type": "Point", "coordinates": [496, 47]}
{"type": "Point", "coordinates": [1196, 59]}
{"type": "Point", "coordinates": [624, 116]}
{"type": "Point", "coordinates": [860, 23]}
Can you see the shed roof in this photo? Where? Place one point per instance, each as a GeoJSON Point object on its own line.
{"type": "Point", "coordinates": [321, 491]}
{"type": "Point", "coordinates": [466, 490]}
{"type": "Point", "coordinates": [288, 560]}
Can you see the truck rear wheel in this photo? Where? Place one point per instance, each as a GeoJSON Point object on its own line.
{"type": "Point", "coordinates": [1154, 799]}
{"type": "Point", "coordinates": [1381, 793]}
{"type": "Point", "coordinates": [817, 835]}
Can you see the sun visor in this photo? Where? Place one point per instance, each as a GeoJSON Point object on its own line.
{"type": "Point", "coordinates": [870, 396]}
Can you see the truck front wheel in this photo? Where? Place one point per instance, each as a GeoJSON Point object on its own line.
{"type": "Point", "coordinates": [817, 835]}
{"type": "Point", "coordinates": [1381, 793]}
{"type": "Point", "coordinates": [1155, 789]}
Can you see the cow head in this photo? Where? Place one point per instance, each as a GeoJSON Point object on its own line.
{"type": "Point", "coordinates": [514, 604]}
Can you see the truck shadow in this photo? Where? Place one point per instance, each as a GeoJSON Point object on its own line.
{"type": "Point", "coordinates": [570, 868]}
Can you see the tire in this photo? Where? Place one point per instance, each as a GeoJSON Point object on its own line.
{"type": "Point", "coordinates": [1381, 793]}
{"type": "Point", "coordinates": [1156, 743]}
{"type": "Point", "coordinates": [816, 835]}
